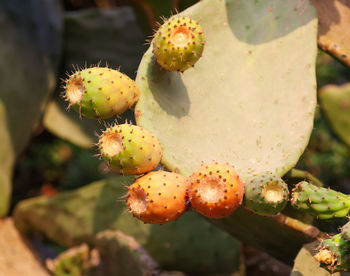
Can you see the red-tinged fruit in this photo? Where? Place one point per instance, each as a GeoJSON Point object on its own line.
{"type": "Point", "coordinates": [158, 197]}
{"type": "Point", "coordinates": [130, 149]}
{"type": "Point", "coordinates": [216, 190]}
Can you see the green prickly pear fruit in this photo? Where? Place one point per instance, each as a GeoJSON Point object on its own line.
{"type": "Point", "coordinates": [178, 43]}
{"type": "Point", "coordinates": [130, 149]}
{"type": "Point", "coordinates": [345, 231]}
{"type": "Point", "coordinates": [216, 190]}
{"type": "Point", "coordinates": [158, 197]}
{"type": "Point", "coordinates": [321, 202]}
{"type": "Point", "coordinates": [100, 92]}
{"type": "Point", "coordinates": [266, 194]}
{"type": "Point", "coordinates": [334, 254]}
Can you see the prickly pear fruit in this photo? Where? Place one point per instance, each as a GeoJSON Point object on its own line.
{"type": "Point", "coordinates": [158, 197]}
{"type": "Point", "coordinates": [321, 202]}
{"type": "Point", "coordinates": [345, 231]}
{"type": "Point", "coordinates": [216, 190]}
{"type": "Point", "coordinates": [265, 194]}
{"type": "Point", "coordinates": [178, 43]}
{"type": "Point", "coordinates": [334, 254]}
{"type": "Point", "coordinates": [100, 92]}
{"type": "Point", "coordinates": [130, 149]}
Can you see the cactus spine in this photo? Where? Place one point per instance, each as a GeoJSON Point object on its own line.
{"type": "Point", "coordinates": [130, 149]}
{"type": "Point", "coordinates": [321, 202]}
{"type": "Point", "coordinates": [158, 197]}
{"type": "Point", "coordinates": [100, 93]}
{"type": "Point", "coordinates": [216, 190]}
{"type": "Point", "coordinates": [178, 44]}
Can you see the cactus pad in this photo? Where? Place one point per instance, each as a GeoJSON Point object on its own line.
{"type": "Point", "coordinates": [321, 202]}
{"type": "Point", "coordinates": [100, 93]}
{"type": "Point", "coordinates": [130, 149]}
{"type": "Point", "coordinates": [178, 43]}
{"type": "Point", "coordinates": [345, 232]}
{"type": "Point", "coordinates": [216, 190]}
{"type": "Point", "coordinates": [248, 82]}
{"type": "Point", "coordinates": [335, 102]}
{"type": "Point", "coordinates": [158, 197]}
{"type": "Point", "coordinates": [266, 194]}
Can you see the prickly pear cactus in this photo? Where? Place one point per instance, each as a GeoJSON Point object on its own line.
{"type": "Point", "coordinates": [75, 217]}
{"type": "Point", "coordinates": [334, 254]}
{"type": "Point", "coordinates": [321, 202]}
{"type": "Point", "coordinates": [345, 232]}
{"type": "Point", "coordinates": [100, 92]}
{"type": "Point", "coordinates": [158, 197]}
{"type": "Point", "coordinates": [335, 102]}
{"type": "Point", "coordinates": [130, 149]}
{"type": "Point", "coordinates": [247, 83]}
{"type": "Point", "coordinates": [178, 44]}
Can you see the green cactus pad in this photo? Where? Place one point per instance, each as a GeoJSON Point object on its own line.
{"type": "Point", "coordinates": [250, 99]}
{"type": "Point", "coordinates": [178, 43]}
{"type": "Point", "coordinates": [345, 232]}
{"type": "Point", "coordinates": [266, 194]}
{"type": "Point", "coordinates": [130, 149]}
{"type": "Point", "coordinates": [335, 102]}
{"type": "Point", "coordinates": [321, 202]}
{"type": "Point", "coordinates": [100, 92]}
{"type": "Point", "coordinates": [334, 254]}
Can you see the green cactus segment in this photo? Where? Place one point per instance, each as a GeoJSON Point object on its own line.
{"type": "Point", "coordinates": [345, 232]}
{"type": "Point", "coordinates": [178, 43]}
{"type": "Point", "coordinates": [266, 194]}
{"type": "Point", "coordinates": [321, 202]}
{"type": "Point", "coordinates": [334, 254]}
{"type": "Point", "coordinates": [100, 93]}
{"type": "Point", "coordinates": [130, 149]}
{"type": "Point", "coordinates": [226, 107]}
{"type": "Point", "coordinates": [77, 216]}
{"type": "Point", "coordinates": [335, 102]}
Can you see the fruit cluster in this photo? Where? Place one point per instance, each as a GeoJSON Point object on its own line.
{"type": "Point", "coordinates": [215, 190]}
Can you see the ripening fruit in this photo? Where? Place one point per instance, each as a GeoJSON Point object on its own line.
{"type": "Point", "coordinates": [158, 197]}
{"type": "Point", "coordinates": [100, 92]}
{"type": "Point", "coordinates": [178, 43]}
{"type": "Point", "coordinates": [216, 190]}
{"type": "Point", "coordinates": [266, 194]}
{"type": "Point", "coordinates": [130, 149]}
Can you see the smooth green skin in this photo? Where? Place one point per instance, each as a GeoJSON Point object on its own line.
{"type": "Point", "coordinates": [226, 108]}
{"type": "Point", "coordinates": [321, 202]}
{"type": "Point", "coordinates": [345, 232]}
{"type": "Point", "coordinates": [75, 217]}
{"type": "Point", "coordinates": [30, 48]}
{"type": "Point", "coordinates": [254, 194]}
{"type": "Point", "coordinates": [175, 57]}
{"type": "Point", "coordinates": [335, 102]}
{"type": "Point", "coordinates": [341, 249]}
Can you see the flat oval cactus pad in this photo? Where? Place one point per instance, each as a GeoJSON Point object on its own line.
{"type": "Point", "coordinates": [249, 100]}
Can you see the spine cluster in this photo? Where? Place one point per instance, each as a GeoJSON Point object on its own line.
{"type": "Point", "coordinates": [178, 43]}
{"type": "Point", "coordinates": [100, 92]}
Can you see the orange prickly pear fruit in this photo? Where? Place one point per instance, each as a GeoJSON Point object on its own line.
{"type": "Point", "coordinates": [216, 190]}
{"type": "Point", "coordinates": [158, 197]}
